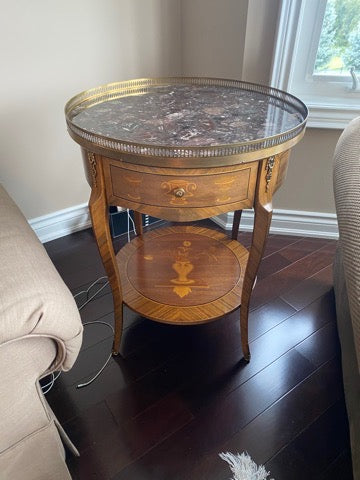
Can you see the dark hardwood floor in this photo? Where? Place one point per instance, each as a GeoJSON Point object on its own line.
{"type": "Point", "coordinates": [178, 396]}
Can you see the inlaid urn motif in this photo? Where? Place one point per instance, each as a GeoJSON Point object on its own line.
{"type": "Point", "coordinates": [183, 267]}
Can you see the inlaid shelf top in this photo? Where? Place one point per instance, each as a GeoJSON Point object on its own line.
{"type": "Point", "coordinates": [184, 117]}
{"type": "Point", "coordinates": [182, 274]}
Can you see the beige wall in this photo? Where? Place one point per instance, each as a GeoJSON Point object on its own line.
{"type": "Point", "coordinates": [308, 185]}
{"type": "Point", "coordinates": [213, 37]}
{"type": "Point", "coordinates": [259, 41]}
{"type": "Point", "coordinates": [53, 50]}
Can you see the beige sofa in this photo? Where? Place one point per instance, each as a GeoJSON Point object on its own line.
{"type": "Point", "coordinates": [40, 332]}
{"type": "Point", "coordinates": [347, 275]}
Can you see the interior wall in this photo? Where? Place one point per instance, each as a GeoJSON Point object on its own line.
{"type": "Point", "coordinates": [260, 27]}
{"type": "Point", "coordinates": [213, 37]}
{"type": "Point", "coordinates": [308, 186]}
{"type": "Point", "coordinates": [51, 51]}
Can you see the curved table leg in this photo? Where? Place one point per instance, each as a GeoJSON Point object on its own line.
{"type": "Point", "coordinates": [236, 224]}
{"type": "Point", "coordinates": [262, 222]}
{"type": "Point", "coordinates": [263, 213]}
{"type": "Point", "coordinates": [98, 208]}
{"type": "Point", "coordinates": [138, 223]}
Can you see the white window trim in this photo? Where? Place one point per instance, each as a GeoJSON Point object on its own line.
{"type": "Point", "coordinates": [321, 115]}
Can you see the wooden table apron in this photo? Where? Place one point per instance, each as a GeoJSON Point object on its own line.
{"type": "Point", "coordinates": [204, 192]}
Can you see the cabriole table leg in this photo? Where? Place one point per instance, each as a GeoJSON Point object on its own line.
{"type": "Point", "coordinates": [262, 222]}
{"type": "Point", "coordinates": [268, 171]}
{"type": "Point", "coordinates": [236, 224]}
{"type": "Point", "coordinates": [98, 208]}
{"type": "Point", "coordinates": [138, 223]}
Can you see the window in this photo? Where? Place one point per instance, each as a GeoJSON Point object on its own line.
{"type": "Point", "coordinates": [317, 58]}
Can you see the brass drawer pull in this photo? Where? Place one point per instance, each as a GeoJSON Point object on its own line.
{"type": "Point", "coordinates": [179, 192]}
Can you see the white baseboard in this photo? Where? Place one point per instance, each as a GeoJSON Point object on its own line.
{"type": "Point", "coordinates": [284, 222]}
{"type": "Point", "coordinates": [61, 223]}
{"type": "Point", "coordinates": [288, 222]}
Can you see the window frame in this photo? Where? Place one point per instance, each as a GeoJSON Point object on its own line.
{"type": "Point", "coordinates": [332, 104]}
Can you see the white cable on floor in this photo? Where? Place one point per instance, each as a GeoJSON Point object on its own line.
{"type": "Point", "coordinates": [46, 388]}
{"type": "Point", "coordinates": [128, 225]}
{"type": "Point", "coordinates": [88, 299]}
{"type": "Point", "coordinates": [132, 221]}
{"type": "Point", "coordinates": [89, 288]}
{"type": "Point", "coordinates": [51, 383]}
{"type": "Point", "coordinates": [129, 217]}
{"type": "Point", "coordinates": [81, 385]}
{"type": "Point", "coordinates": [95, 294]}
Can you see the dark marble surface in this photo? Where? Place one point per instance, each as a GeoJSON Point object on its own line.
{"type": "Point", "coordinates": [190, 115]}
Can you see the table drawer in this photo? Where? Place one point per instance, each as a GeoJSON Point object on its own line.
{"type": "Point", "coordinates": [183, 188]}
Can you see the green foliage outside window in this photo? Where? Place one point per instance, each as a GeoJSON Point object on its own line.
{"type": "Point", "coordinates": [327, 38]}
{"type": "Point", "coordinates": [339, 45]}
{"type": "Point", "coordinates": [352, 53]}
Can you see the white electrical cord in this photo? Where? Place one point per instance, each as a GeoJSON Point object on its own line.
{"type": "Point", "coordinates": [46, 388]}
{"type": "Point", "coordinates": [129, 217]}
{"type": "Point", "coordinates": [49, 385]}
{"type": "Point", "coordinates": [81, 385]}
{"type": "Point", "coordinates": [88, 290]}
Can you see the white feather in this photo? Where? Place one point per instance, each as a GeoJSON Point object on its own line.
{"type": "Point", "coordinates": [243, 467]}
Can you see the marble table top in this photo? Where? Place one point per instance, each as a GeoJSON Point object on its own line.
{"type": "Point", "coordinates": [185, 116]}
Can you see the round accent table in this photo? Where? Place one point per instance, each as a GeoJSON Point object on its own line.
{"type": "Point", "coordinates": [184, 149]}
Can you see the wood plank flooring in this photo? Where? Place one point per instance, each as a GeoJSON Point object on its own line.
{"type": "Point", "coordinates": [178, 396]}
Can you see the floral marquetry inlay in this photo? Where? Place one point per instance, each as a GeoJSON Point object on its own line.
{"type": "Point", "coordinates": [183, 268]}
{"type": "Point", "coordinates": [134, 184]}
{"type": "Point", "coordinates": [223, 187]}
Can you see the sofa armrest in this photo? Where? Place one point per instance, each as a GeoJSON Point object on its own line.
{"type": "Point", "coordinates": [34, 301]}
{"type": "Point", "coordinates": [346, 176]}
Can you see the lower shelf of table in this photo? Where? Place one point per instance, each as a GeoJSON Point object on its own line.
{"type": "Point", "coordinates": [182, 274]}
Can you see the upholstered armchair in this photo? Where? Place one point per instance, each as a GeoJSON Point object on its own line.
{"type": "Point", "coordinates": [40, 331]}
{"type": "Point", "coordinates": [347, 274]}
